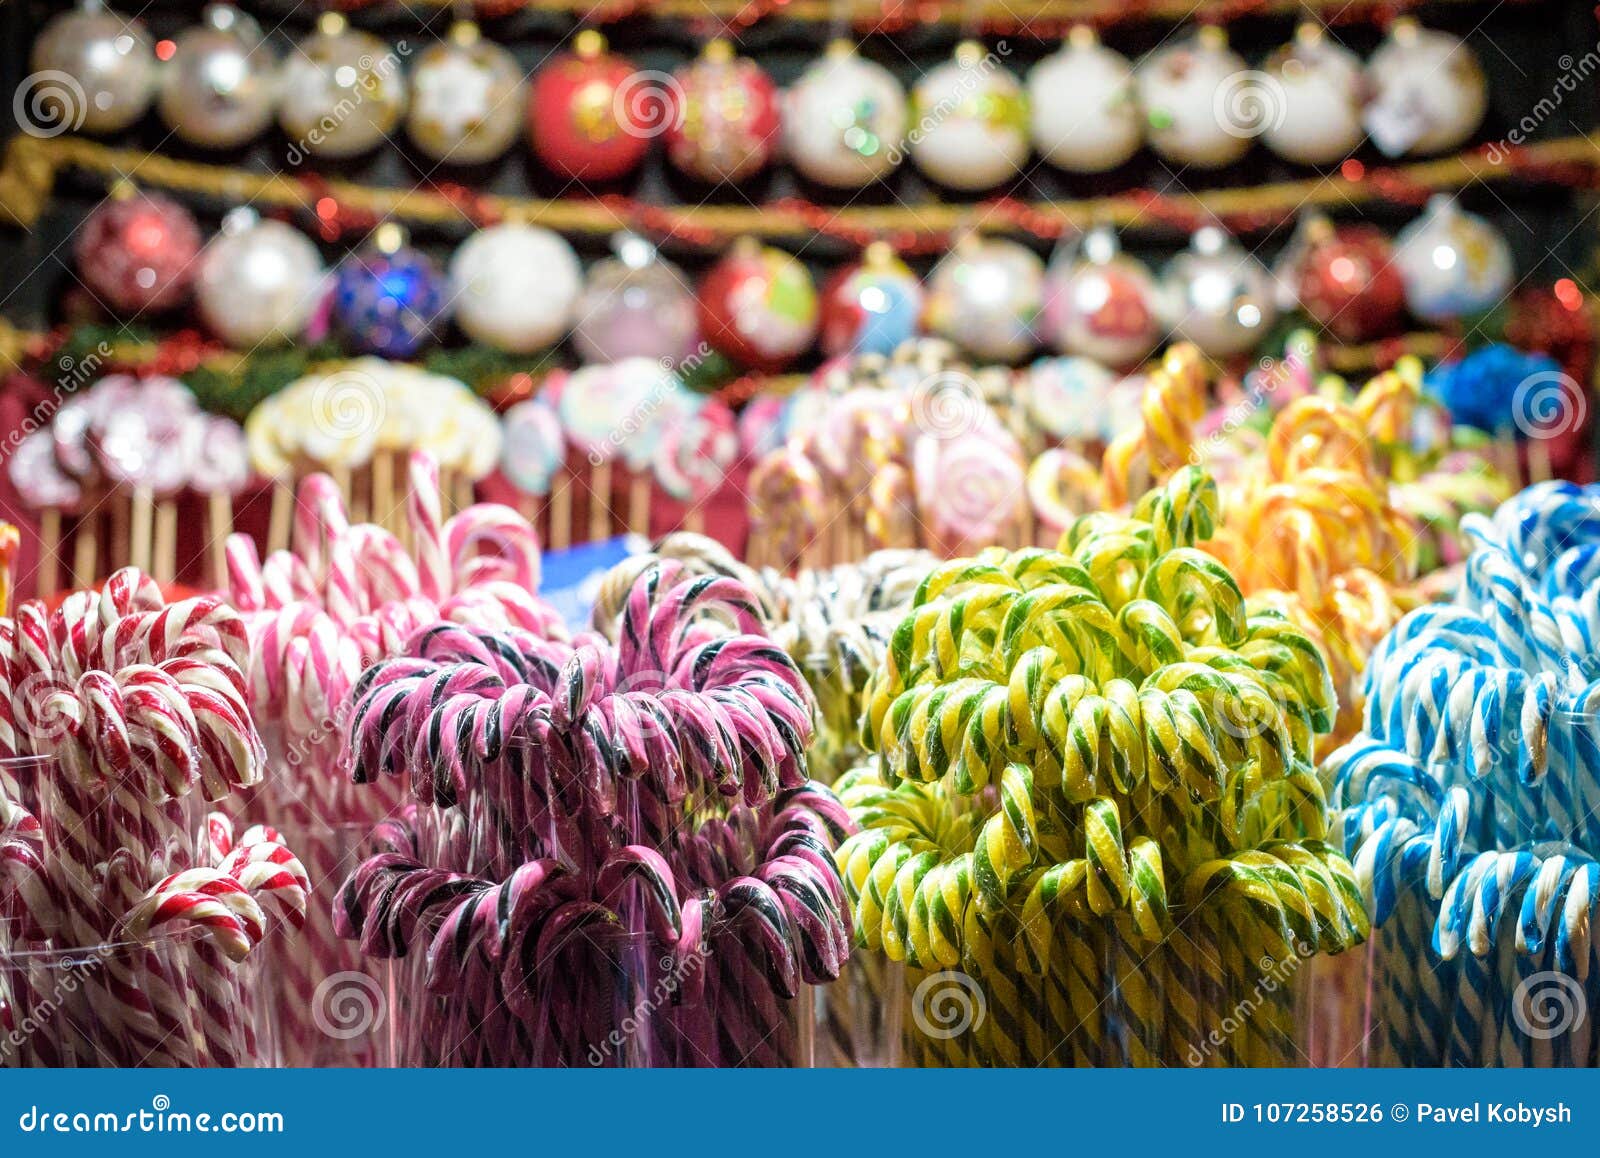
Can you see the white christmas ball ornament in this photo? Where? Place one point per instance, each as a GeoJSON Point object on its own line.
{"type": "Point", "coordinates": [985, 295]}
{"type": "Point", "coordinates": [1083, 108]}
{"type": "Point", "coordinates": [844, 120]}
{"type": "Point", "coordinates": [343, 91]}
{"type": "Point", "coordinates": [93, 71]}
{"type": "Point", "coordinates": [221, 83]}
{"type": "Point", "coordinates": [514, 287]}
{"type": "Point", "coordinates": [1428, 91]}
{"type": "Point", "coordinates": [1315, 89]}
{"type": "Point", "coordinates": [1452, 262]}
{"type": "Point", "coordinates": [467, 100]}
{"type": "Point", "coordinates": [1201, 104]}
{"type": "Point", "coordinates": [969, 118]}
{"type": "Point", "coordinates": [259, 282]}
{"type": "Point", "coordinates": [1218, 296]}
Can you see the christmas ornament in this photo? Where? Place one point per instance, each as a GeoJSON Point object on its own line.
{"type": "Point", "coordinates": [1083, 107]}
{"type": "Point", "coordinates": [871, 307]}
{"type": "Point", "coordinates": [723, 123]}
{"type": "Point", "coordinates": [1201, 103]}
{"type": "Point", "coordinates": [259, 282]}
{"type": "Point", "coordinates": [590, 114]}
{"type": "Point", "coordinates": [1344, 278]}
{"type": "Point", "coordinates": [1218, 296]}
{"type": "Point", "coordinates": [389, 297]}
{"type": "Point", "coordinates": [634, 305]}
{"type": "Point", "coordinates": [466, 98]}
{"type": "Point", "coordinates": [93, 71]}
{"type": "Point", "coordinates": [136, 251]}
{"type": "Point", "coordinates": [1316, 91]}
{"type": "Point", "coordinates": [1101, 303]}
{"type": "Point", "coordinates": [220, 85]}
{"type": "Point", "coordinates": [844, 119]}
{"type": "Point", "coordinates": [514, 286]}
{"type": "Point", "coordinates": [971, 119]}
{"type": "Point", "coordinates": [1429, 94]}
{"type": "Point", "coordinates": [985, 295]}
{"type": "Point", "coordinates": [758, 306]}
{"type": "Point", "coordinates": [343, 91]}
{"type": "Point", "coordinates": [1452, 262]}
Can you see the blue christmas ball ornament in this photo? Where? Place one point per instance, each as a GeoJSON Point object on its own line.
{"type": "Point", "coordinates": [872, 307]}
{"type": "Point", "coordinates": [389, 300]}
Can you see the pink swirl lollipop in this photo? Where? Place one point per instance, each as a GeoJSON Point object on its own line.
{"type": "Point", "coordinates": [221, 464]}
{"type": "Point", "coordinates": [609, 410]}
{"type": "Point", "coordinates": [693, 456]}
{"type": "Point", "coordinates": [533, 448]}
{"type": "Point", "coordinates": [969, 490]}
{"type": "Point", "coordinates": [761, 426]}
{"type": "Point", "coordinates": [39, 480]}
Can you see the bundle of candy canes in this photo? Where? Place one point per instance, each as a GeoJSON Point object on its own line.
{"type": "Point", "coordinates": [344, 597]}
{"type": "Point", "coordinates": [1059, 734]}
{"type": "Point", "coordinates": [117, 710]}
{"type": "Point", "coordinates": [835, 624]}
{"type": "Point", "coordinates": [1470, 799]}
{"type": "Point", "coordinates": [612, 854]}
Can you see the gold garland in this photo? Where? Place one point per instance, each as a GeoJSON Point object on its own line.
{"type": "Point", "coordinates": [32, 165]}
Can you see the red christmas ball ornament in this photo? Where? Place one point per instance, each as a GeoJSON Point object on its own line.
{"type": "Point", "coordinates": [137, 252]}
{"type": "Point", "coordinates": [590, 114]}
{"type": "Point", "coordinates": [1346, 280]}
{"type": "Point", "coordinates": [722, 123]}
{"type": "Point", "coordinates": [758, 306]}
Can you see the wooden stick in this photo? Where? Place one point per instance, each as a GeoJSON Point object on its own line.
{"type": "Point", "coordinates": [383, 504]}
{"type": "Point", "coordinates": [1539, 469]}
{"type": "Point", "coordinates": [561, 512]}
{"type": "Point", "coordinates": [219, 525]}
{"type": "Point", "coordinates": [281, 518]}
{"type": "Point", "coordinates": [600, 501]}
{"type": "Point", "coordinates": [141, 542]}
{"type": "Point", "coordinates": [49, 544]}
{"type": "Point", "coordinates": [639, 493]}
{"type": "Point", "coordinates": [164, 557]}
{"type": "Point", "coordinates": [466, 493]}
{"type": "Point", "coordinates": [121, 510]}
{"type": "Point", "coordinates": [694, 519]}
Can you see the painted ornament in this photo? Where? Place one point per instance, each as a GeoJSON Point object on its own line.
{"type": "Point", "coordinates": [870, 307]}
{"type": "Point", "coordinates": [220, 86]}
{"type": "Point", "coordinates": [590, 114]}
{"type": "Point", "coordinates": [137, 252]}
{"type": "Point", "coordinates": [1200, 102]}
{"type": "Point", "coordinates": [723, 123]}
{"type": "Point", "coordinates": [758, 306]}
{"type": "Point", "coordinates": [970, 121]}
{"type": "Point", "coordinates": [343, 91]}
{"type": "Point", "coordinates": [1453, 263]}
{"type": "Point", "coordinates": [466, 99]}
{"type": "Point", "coordinates": [1101, 303]}
{"type": "Point", "coordinates": [389, 298]}
{"type": "Point", "coordinates": [1218, 296]}
{"type": "Point", "coordinates": [844, 121]}
{"type": "Point", "coordinates": [1083, 107]}
{"type": "Point", "coordinates": [93, 71]}
{"type": "Point", "coordinates": [259, 282]}
{"type": "Point", "coordinates": [985, 296]}
{"type": "Point", "coordinates": [634, 305]}
{"type": "Point", "coordinates": [514, 287]}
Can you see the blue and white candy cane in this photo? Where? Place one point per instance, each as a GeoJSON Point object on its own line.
{"type": "Point", "coordinates": [1472, 802]}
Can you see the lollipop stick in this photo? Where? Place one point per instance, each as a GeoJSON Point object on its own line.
{"type": "Point", "coordinates": [141, 531]}
{"type": "Point", "coordinates": [219, 525]}
{"type": "Point", "coordinates": [49, 544]}
{"type": "Point", "coordinates": [1539, 469]}
{"type": "Point", "coordinates": [639, 504]}
{"type": "Point", "coordinates": [561, 512]}
{"type": "Point", "coordinates": [353, 483]}
{"type": "Point", "coordinates": [600, 501]}
{"type": "Point", "coordinates": [164, 559]}
{"type": "Point", "coordinates": [694, 519]}
{"type": "Point", "coordinates": [281, 517]}
{"type": "Point", "coordinates": [464, 492]}
{"type": "Point", "coordinates": [383, 504]}
{"type": "Point", "coordinates": [120, 533]}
